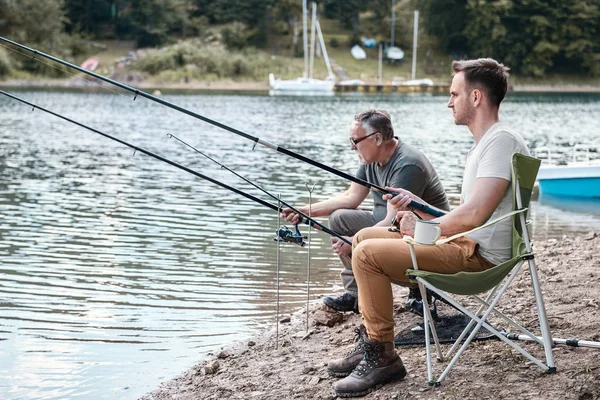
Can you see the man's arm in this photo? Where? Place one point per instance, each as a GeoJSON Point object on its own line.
{"type": "Point", "coordinates": [391, 213]}
{"type": "Point", "coordinates": [350, 199]}
{"type": "Point", "coordinates": [486, 196]}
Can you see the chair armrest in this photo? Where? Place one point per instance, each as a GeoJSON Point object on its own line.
{"type": "Point", "coordinates": [411, 240]}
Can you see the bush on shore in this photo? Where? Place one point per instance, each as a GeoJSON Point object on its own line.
{"type": "Point", "coordinates": [198, 60]}
{"type": "Point", "coordinates": [5, 63]}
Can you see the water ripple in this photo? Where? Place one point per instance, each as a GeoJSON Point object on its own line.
{"type": "Point", "coordinates": [118, 271]}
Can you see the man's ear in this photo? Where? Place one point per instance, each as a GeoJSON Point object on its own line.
{"type": "Point", "coordinates": [476, 97]}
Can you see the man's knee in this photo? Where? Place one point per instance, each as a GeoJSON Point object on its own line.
{"type": "Point", "coordinates": [336, 220]}
{"type": "Point", "coordinates": [359, 256]}
{"type": "Point", "coordinates": [364, 234]}
{"type": "Point", "coordinates": [358, 237]}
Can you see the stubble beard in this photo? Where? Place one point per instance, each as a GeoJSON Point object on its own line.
{"type": "Point", "coordinates": [465, 118]}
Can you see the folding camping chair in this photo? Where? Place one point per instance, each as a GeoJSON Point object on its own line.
{"type": "Point", "coordinates": [524, 172]}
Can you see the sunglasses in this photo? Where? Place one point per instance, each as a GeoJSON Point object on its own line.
{"type": "Point", "coordinates": [355, 142]}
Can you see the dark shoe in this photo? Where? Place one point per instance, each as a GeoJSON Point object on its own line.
{"type": "Point", "coordinates": [414, 303]}
{"type": "Point", "coordinates": [344, 366]}
{"type": "Point", "coordinates": [345, 302]}
{"type": "Point", "coordinates": [414, 293]}
{"type": "Point", "coordinates": [381, 364]}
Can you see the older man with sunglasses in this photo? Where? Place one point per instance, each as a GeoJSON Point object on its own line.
{"type": "Point", "coordinates": [384, 161]}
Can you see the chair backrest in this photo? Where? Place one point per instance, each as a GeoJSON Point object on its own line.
{"type": "Point", "coordinates": [524, 172]}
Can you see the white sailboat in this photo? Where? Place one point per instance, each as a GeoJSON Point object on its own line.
{"type": "Point", "coordinates": [307, 84]}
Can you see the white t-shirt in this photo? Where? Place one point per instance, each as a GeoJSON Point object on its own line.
{"type": "Point", "coordinates": [492, 158]}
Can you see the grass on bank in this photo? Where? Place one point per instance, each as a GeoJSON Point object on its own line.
{"type": "Point", "coordinates": [431, 63]}
{"type": "Point", "coordinates": [194, 60]}
{"type": "Point", "coordinates": [202, 60]}
{"type": "Point", "coordinates": [208, 60]}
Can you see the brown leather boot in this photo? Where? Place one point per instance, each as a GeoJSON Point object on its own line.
{"type": "Point", "coordinates": [381, 364]}
{"type": "Point", "coordinates": [344, 366]}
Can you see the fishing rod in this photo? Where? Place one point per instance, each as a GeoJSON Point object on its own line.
{"type": "Point", "coordinates": [413, 204]}
{"type": "Point", "coordinates": [312, 222]}
{"type": "Point", "coordinates": [283, 234]}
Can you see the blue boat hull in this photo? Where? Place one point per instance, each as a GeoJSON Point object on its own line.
{"type": "Point", "coordinates": [577, 187]}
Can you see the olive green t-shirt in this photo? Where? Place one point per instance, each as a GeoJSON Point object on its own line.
{"type": "Point", "coordinates": [408, 169]}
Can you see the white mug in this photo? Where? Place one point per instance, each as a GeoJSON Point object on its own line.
{"type": "Point", "coordinates": [427, 232]}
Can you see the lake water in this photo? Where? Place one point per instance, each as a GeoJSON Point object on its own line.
{"type": "Point", "coordinates": [119, 271]}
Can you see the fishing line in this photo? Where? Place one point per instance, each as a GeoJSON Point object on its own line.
{"type": "Point", "coordinates": [310, 221]}
{"type": "Point", "coordinates": [256, 140]}
{"type": "Point", "coordinates": [285, 235]}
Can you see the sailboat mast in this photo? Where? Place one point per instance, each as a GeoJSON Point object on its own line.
{"type": "Point", "coordinates": [305, 38]}
{"type": "Point", "coordinates": [393, 21]}
{"type": "Point", "coordinates": [322, 43]}
{"type": "Point", "coordinates": [312, 39]}
{"type": "Point", "coordinates": [380, 69]}
{"type": "Point", "coordinates": [415, 35]}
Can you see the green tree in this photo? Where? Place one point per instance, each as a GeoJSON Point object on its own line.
{"type": "Point", "coordinates": [20, 21]}
{"type": "Point", "coordinates": [151, 22]}
{"type": "Point", "coordinates": [91, 17]}
{"type": "Point", "coordinates": [446, 20]}
{"type": "Point", "coordinates": [579, 33]}
{"type": "Point", "coordinates": [534, 37]}
{"type": "Point", "coordinates": [347, 12]}
{"type": "Point", "coordinates": [287, 17]}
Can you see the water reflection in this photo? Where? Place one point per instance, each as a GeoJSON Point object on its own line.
{"type": "Point", "coordinates": [119, 271]}
{"type": "Point", "coordinates": [555, 216]}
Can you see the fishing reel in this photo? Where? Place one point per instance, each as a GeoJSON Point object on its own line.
{"type": "Point", "coordinates": [394, 225]}
{"type": "Point", "coordinates": [285, 234]}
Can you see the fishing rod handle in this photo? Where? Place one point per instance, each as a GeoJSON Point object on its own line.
{"type": "Point", "coordinates": [427, 209]}
{"type": "Point", "coordinates": [415, 205]}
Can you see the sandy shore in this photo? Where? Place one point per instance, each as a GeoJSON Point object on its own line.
{"type": "Point", "coordinates": [570, 278]}
{"type": "Point", "coordinates": [226, 86]}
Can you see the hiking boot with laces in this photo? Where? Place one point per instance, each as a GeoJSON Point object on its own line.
{"type": "Point", "coordinates": [381, 364]}
{"type": "Point", "coordinates": [344, 366]}
{"type": "Point", "coordinates": [345, 302]}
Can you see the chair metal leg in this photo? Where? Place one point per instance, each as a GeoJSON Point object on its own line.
{"type": "Point", "coordinates": [539, 300]}
{"type": "Point", "coordinates": [430, 321]}
{"type": "Point", "coordinates": [427, 323]}
{"type": "Point", "coordinates": [482, 322]}
{"type": "Point", "coordinates": [472, 322]}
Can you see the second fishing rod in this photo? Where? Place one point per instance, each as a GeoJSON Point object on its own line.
{"type": "Point", "coordinates": [415, 205]}
{"type": "Point", "coordinates": [282, 234]}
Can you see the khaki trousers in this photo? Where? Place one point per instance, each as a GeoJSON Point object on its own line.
{"type": "Point", "coordinates": [380, 257]}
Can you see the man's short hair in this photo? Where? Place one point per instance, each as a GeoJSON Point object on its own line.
{"type": "Point", "coordinates": [484, 74]}
{"type": "Point", "coordinates": [376, 121]}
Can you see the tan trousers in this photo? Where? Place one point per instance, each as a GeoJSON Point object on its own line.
{"type": "Point", "coordinates": [380, 256]}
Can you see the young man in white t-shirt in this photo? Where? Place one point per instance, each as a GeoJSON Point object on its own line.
{"type": "Point", "coordinates": [380, 257]}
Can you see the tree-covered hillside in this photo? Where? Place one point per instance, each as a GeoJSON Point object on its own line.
{"type": "Point", "coordinates": [534, 37]}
